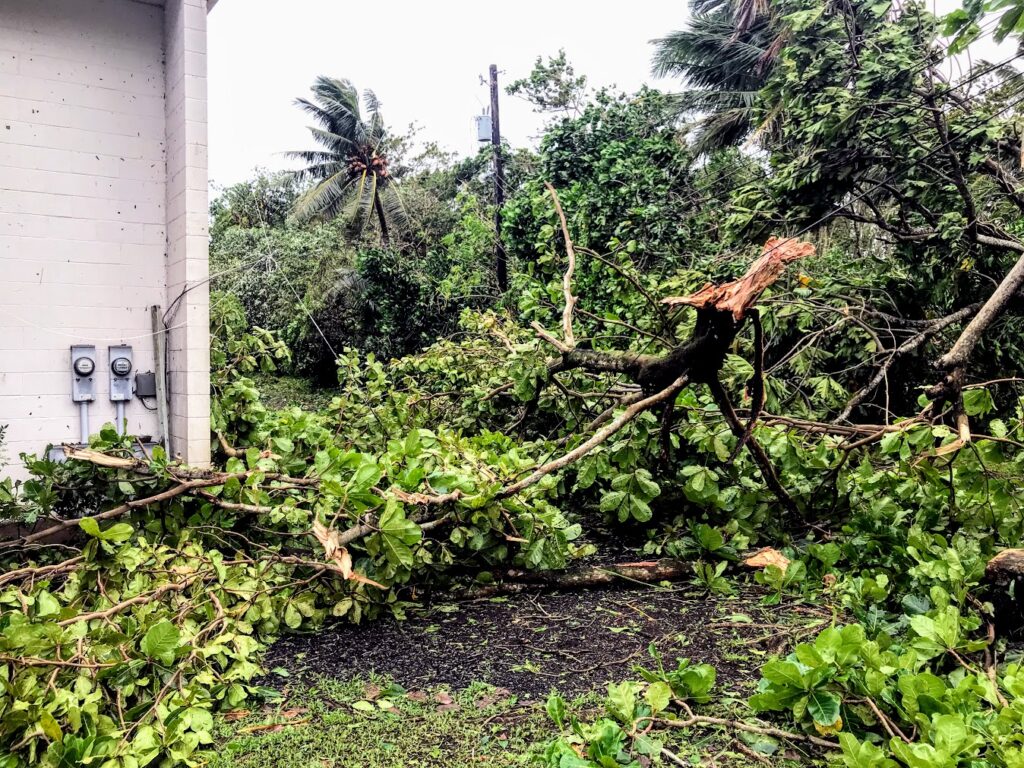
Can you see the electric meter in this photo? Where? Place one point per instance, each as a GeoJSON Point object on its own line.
{"type": "Point", "coordinates": [83, 365]}
{"type": "Point", "coordinates": [120, 358]}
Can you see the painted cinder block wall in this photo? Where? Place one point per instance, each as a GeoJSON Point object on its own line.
{"type": "Point", "coordinates": [103, 210]}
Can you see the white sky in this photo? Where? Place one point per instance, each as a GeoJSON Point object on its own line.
{"type": "Point", "coordinates": [423, 58]}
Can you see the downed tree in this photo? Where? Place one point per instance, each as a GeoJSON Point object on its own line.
{"type": "Point", "coordinates": [721, 313]}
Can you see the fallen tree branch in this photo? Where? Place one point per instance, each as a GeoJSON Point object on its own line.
{"type": "Point", "coordinates": [596, 439]}
{"type": "Point", "coordinates": [756, 385]}
{"type": "Point", "coordinates": [771, 479]}
{"type": "Point", "coordinates": [118, 511]}
{"type": "Point", "coordinates": [738, 725]}
{"type": "Point", "coordinates": [958, 355]}
{"type": "Point", "coordinates": [721, 310]}
{"type": "Point", "coordinates": [910, 345]}
{"type": "Point", "coordinates": [423, 499]}
{"type": "Point", "coordinates": [41, 570]}
{"type": "Point", "coordinates": [234, 453]}
{"type": "Point", "coordinates": [116, 608]}
{"type": "Point", "coordinates": [570, 300]}
{"type": "Point", "coordinates": [516, 580]}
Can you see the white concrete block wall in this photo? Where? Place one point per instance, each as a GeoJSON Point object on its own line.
{"type": "Point", "coordinates": [187, 228]}
{"type": "Point", "coordinates": [102, 209]}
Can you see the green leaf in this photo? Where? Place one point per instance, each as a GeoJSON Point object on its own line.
{"type": "Point", "coordinates": [49, 726]}
{"type": "Point", "coordinates": [858, 754]}
{"type": "Point", "coordinates": [555, 707]}
{"type": "Point", "coordinates": [785, 673]}
{"type": "Point", "coordinates": [621, 701]}
{"type": "Point", "coordinates": [46, 605]}
{"type": "Point", "coordinates": [978, 402]}
{"type": "Point", "coordinates": [397, 534]}
{"type": "Point", "coordinates": [115, 533]}
{"type": "Point", "coordinates": [823, 707]}
{"type": "Point", "coordinates": [365, 477]}
{"type": "Point", "coordinates": [658, 695]}
{"type": "Point", "coordinates": [161, 641]}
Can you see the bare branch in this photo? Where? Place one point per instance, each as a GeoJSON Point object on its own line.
{"type": "Point", "coordinates": [598, 437]}
{"type": "Point", "coordinates": [1013, 281]}
{"type": "Point", "coordinates": [570, 300]}
{"type": "Point", "coordinates": [911, 344]}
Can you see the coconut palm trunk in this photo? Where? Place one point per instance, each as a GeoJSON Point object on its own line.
{"type": "Point", "coordinates": [385, 237]}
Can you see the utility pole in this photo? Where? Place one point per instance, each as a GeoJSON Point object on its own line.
{"type": "Point", "coordinates": [500, 260]}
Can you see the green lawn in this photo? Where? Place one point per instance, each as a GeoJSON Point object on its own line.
{"type": "Point", "coordinates": [376, 725]}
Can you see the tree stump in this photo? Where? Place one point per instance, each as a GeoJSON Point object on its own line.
{"type": "Point", "coordinates": [1004, 576]}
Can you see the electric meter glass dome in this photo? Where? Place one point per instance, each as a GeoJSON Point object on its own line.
{"type": "Point", "coordinates": [84, 366]}
{"type": "Point", "coordinates": [122, 366]}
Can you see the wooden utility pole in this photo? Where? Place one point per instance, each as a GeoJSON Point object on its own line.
{"type": "Point", "coordinates": [500, 260]}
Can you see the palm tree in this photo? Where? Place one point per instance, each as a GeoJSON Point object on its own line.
{"type": "Point", "coordinates": [725, 56]}
{"type": "Point", "coordinates": [349, 171]}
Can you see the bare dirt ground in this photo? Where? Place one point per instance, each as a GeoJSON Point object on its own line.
{"type": "Point", "coordinates": [575, 642]}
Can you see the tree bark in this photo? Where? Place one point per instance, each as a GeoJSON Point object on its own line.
{"type": "Point", "coordinates": [587, 578]}
{"type": "Point", "coordinates": [1004, 577]}
{"type": "Point", "coordinates": [993, 307]}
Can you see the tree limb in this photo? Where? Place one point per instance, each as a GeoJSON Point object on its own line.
{"type": "Point", "coordinates": [597, 438]}
{"type": "Point", "coordinates": [958, 355]}
{"type": "Point", "coordinates": [911, 344]}
{"type": "Point", "coordinates": [570, 300]}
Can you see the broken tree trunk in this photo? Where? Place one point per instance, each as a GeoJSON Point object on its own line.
{"type": "Point", "coordinates": [1004, 576]}
{"type": "Point", "coordinates": [721, 311]}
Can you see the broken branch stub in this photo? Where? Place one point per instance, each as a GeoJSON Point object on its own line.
{"type": "Point", "coordinates": [738, 296]}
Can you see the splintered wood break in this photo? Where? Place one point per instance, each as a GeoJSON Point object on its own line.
{"type": "Point", "coordinates": [740, 295]}
{"type": "Point", "coordinates": [1005, 567]}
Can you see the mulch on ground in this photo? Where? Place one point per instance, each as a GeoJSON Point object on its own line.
{"type": "Point", "coordinates": [575, 641]}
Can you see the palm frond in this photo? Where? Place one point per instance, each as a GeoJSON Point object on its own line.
{"type": "Point", "coordinates": [312, 156]}
{"type": "Point", "coordinates": [334, 142]}
{"type": "Point", "coordinates": [326, 199]}
{"type": "Point", "coordinates": [394, 206]}
{"type": "Point", "coordinates": [725, 128]}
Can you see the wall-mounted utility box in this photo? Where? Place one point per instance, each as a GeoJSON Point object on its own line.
{"type": "Point", "coordinates": [145, 384]}
{"type": "Point", "coordinates": [83, 370]}
{"type": "Point", "coordinates": [120, 373]}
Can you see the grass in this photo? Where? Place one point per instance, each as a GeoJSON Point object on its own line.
{"type": "Point", "coordinates": [286, 391]}
{"type": "Point", "coordinates": [377, 724]}
{"type": "Point", "coordinates": [574, 642]}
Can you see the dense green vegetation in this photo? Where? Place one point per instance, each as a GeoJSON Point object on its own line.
{"type": "Point", "coordinates": [661, 362]}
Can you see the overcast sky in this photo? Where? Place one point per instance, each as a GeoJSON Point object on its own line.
{"type": "Point", "coordinates": [423, 59]}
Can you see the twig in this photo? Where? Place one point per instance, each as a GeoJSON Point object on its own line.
{"type": "Point", "coordinates": [118, 607]}
{"type": "Point", "coordinates": [891, 728]}
{"type": "Point", "coordinates": [693, 720]}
